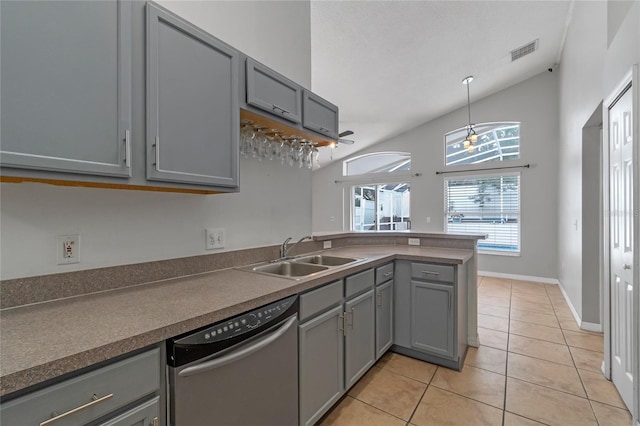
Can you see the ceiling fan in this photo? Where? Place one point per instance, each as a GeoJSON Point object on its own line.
{"type": "Point", "coordinates": [345, 141]}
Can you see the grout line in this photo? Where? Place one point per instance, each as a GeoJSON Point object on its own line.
{"type": "Point", "coordinates": [525, 417]}
{"type": "Point", "coordinates": [506, 362]}
{"type": "Point", "coordinates": [380, 409]}
{"type": "Point", "coordinates": [419, 401]}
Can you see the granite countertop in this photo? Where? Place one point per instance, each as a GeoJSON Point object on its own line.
{"type": "Point", "coordinates": [42, 341]}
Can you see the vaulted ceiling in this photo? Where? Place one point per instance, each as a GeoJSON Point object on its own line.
{"type": "Point", "coordinates": [393, 65]}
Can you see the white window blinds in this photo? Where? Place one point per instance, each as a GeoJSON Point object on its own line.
{"type": "Point", "coordinates": [485, 205]}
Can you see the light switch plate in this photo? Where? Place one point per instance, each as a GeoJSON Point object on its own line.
{"type": "Point", "coordinates": [215, 238]}
{"type": "Point", "coordinates": [414, 241]}
{"type": "Point", "coordinates": [326, 244]}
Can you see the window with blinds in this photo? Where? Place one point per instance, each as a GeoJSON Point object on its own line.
{"type": "Point", "coordinates": [485, 205]}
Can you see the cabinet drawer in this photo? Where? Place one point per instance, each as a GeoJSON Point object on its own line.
{"type": "Point", "coordinates": [384, 273]}
{"type": "Point", "coordinates": [320, 299]}
{"type": "Point", "coordinates": [272, 92]}
{"type": "Point", "coordinates": [431, 271]}
{"type": "Point", "coordinates": [319, 115]}
{"type": "Point", "coordinates": [359, 282]}
{"type": "Point", "coordinates": [114, 386]}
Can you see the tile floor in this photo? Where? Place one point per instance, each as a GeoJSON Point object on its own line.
{"type": "Point", "coordinates": [534, 366]}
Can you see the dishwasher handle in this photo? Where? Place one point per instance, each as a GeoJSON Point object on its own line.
{"type": "Point", "coordinates": [241, 353]}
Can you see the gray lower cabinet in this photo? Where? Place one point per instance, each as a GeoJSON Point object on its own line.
{"type": "Point", "coordinates": [104, 393]}
{"type": "Point", "coordinates": [193, 116]}
{"type": "Point", "coordinates": [384, 318]}
{"type": "Point", "coordinates": [430, 314]}
{"type": "Point", "coordinates": [145, 414]}
{"type": "Point", "coordinates": [432, 321]}
{"type": "Point", "coordinates": [66, 86]}
{"type": "Point", "coordinates": [360, 347]}
{"type": "Point", "coordinates": [321, 364]}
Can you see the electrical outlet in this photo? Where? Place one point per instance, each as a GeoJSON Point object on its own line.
{"type": "Point", "coordinates": [68, 249]}
{"type": "Point", "coordinates": [326, 244]}
{"type": "Point", "coordinates": [414, 241]}
{"type": "Point", "coordinates": [215, 238]}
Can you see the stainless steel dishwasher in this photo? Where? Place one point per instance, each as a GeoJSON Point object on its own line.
{"type": "Point", "coordinates": [239, 372]}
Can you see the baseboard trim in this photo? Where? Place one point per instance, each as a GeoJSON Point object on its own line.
{"type": "Point", "coordinates": [591, 326]}
{"type": "Point", "coordinates": [532, 278]}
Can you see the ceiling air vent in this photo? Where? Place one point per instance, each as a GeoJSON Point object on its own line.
{"type": "Point", "coordinates": [524, 50]}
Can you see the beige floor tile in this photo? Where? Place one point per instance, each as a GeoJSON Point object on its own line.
{"type": "Point", "coordinates": [553, 288]}
{"type": "Point", "coordinates": [568, 324]}
{"type": "Point", "coordinates": [611, 416]}
{"type": "Point", "coordinates": [540, 349]}
{"type": "Point", "coordinates": [511, 419]}
{"type": "Point", "coordinates": [545, 373]}
{"type": "Point", "coordinates": [558, 302]}
{"type": "Point", "coordinates": [472, 382]}
{"type": "Point", "coordinates": [600, 389]}
{"type": "Point", "coordinates": [531, 297]}
{"type": "Point", "coordinates": [351, 412]}
{"type": "Point", "coordinates": [501, 292]}
{"type": "Point", "coordinates": [592, 342]}
{"type": "Point", "coordinates": [536, 331]}
{"type": "Point", "coordinates": [563, 312]}
{"type": "Point", "coordinates": [389, 392]}
{"type": "Point", "coordinates": [535, 318]}
{"type": "Point", "coordinates": [487, 358]}
{"type": "Point", "coordinates": [495, 311]}
{"type": "Point", "coordinates": [527, 288]}
{"type": "Point", "coordinates": [587, 360]}
{"type": "Point", "coordinates": [493, 323]}
{"type": "Point", "coordinates": [409, 367]}
{"type": "Point", "coordinates": [532, 306]}
{"type": "Point", "coordinates": [494, 339]}
{"type": "Point", "coordinates": [499, 282]}
{"type": "Point", "coordinates": [441, 408]}
{"type": "Point", "coordinates": [547, 405]}
{"type": "Point", "coordinates": [494, 301]}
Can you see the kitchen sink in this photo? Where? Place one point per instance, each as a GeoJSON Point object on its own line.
{"type": "Point", "coordinates": [286, 269]}
{"type": "Point", "coordinates": [320, 259]}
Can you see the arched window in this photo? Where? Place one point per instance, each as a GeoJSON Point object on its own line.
{"type": "Point", "coordinates": [377, 162]}
{"type": "Point", "coordinates": [496, 142]}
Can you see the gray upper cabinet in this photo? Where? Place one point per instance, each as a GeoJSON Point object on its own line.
{"type": "Point", "coordinates": [319, 115]}
{"type": "Point", "coordinates": [193, 116]}
{"type": "Point", "coordinates": [66, 86]}
{"type": "Point", "coordinates": [272, 92]}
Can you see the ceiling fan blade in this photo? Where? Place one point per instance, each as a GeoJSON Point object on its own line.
{"type": "Point", "coordinates": [345, 133]}
{"type": "Point", "coordinates": [346, 141]}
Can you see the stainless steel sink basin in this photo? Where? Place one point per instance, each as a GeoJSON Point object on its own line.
{"type": "Point", "coordinates": [319, 259]}
{"type": "Point", "coordinates": [287, 269]}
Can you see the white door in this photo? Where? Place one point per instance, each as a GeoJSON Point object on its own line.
{"type": "Point", "coordinates": [621, 243]}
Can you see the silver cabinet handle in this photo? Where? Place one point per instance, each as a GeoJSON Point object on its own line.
{"type": "Point", "coordinates": [388, 274]}
{"type": "Point", "coordinates": [155, 422]}
{"type": "Point", "coordinates": [127, 149]}
{"type": "Point", "coordinates": [344, 328]}
{"type": "Point", "coordinates": [431, 272]}
{"type": "Point", "coordinates": [626, 266]}
{"type": "Point", "coordinates": [324, 129]}
{"type": "Point", "coordinates": [284, 111]}
{"type": "Point", "coordinates": [157, 147]}
{"type": "Point", "coordinates": [241, 353]}
{"type": "Point", "coordinates": [94, 400]}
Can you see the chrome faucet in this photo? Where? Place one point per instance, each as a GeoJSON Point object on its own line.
{"type": "Point", "coordinates": [284, 248]}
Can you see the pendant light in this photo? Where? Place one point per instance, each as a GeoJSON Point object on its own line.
{"type": "Point", "coordinates": [472, 136]}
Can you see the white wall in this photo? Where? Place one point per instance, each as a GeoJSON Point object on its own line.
{"type": "Point", "coordinates": [588, 72]}
{"type": "Point", "coordinates": [123, 227]}
{"type": "Point", "coordinates": [533, 103]}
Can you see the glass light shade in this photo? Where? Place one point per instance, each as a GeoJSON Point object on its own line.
{"type": "Point", "coordinates": [471, 148]}
{"type": "Point", "coordinates": [474, 138]}
{"type": "Point", "coordinates": [467, 143]}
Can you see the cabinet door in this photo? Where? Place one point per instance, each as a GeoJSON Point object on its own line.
{"type": "Point", "coordinates": [432, 323]}
{"type": "Point", "coordinates": [384, 318]}
{"type": "Point", "coordinates": [66, 86]}
{"type": "Point", "coordinates": [146, 414]}
{"type": "Point", "coordinates": [272, 92]}
{"type": "Point", "coordinates": [319, 115]}
{"type": "Point", "coordinates": [321, 363]}
{"type": "Point", "coordinates": [360, 342]}
{"type": "Point", "coordinates": [193, 117]}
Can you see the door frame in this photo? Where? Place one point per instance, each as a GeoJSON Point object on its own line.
{"type": "Point", "coordinates": [630, 77]}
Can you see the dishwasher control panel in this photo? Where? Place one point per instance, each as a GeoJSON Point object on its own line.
{"type": "Point", "coordinates": [240, 324]}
